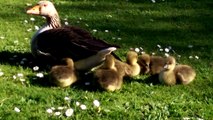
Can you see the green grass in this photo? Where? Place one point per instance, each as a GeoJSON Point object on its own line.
{"type": "Point", "coordinates": [175, 23]}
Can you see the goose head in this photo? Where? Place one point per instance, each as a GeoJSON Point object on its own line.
{"type": "Point", "coordinates": [170, 63]}
{"type": "Point", "coordinates": [43, 8]}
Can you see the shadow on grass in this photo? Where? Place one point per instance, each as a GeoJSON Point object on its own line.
{"type": "Point", "coordinates": [149, 79]}
{"type": "Point", "coordinates": [86, 82]}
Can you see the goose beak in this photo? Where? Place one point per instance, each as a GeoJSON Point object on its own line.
{"type": "Point", "coordinates": [34, 10]}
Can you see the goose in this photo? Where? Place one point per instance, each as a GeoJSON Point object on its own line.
{"type": "Point", "coordinates": [63, 75]}
{"type": "Point", "coordinates": [52, 42]}
{"type": "Point", "coordinates": [132, 61]}
{"type": "Point", "coordinates": [185, 74]}
{"type": "Point", "coordinates": [167, 75]}
{"type": "Point", "coordinates": [108, 75]}
{"type": "Point", "coordinates": [151, 64]}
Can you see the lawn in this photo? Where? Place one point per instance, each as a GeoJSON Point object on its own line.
{"type": "Point", "coordinates": [184, 26]}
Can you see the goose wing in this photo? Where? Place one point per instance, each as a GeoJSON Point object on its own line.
{"type": "Point", "coordinates": [70, 42]}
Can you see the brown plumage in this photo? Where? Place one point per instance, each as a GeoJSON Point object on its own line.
{"type": "Point", "coordinates": [185, 74]}
{"type": "Point", "coordinates": [151, 64]}
{"type": "Point", "coordinates": [63, 75]}
{"type": "Point", "coordinates": [54, 42]}
{"type": "Point", "coordinates": [109, 76]}
{"type": "Point", "coordinates": [132, 62]}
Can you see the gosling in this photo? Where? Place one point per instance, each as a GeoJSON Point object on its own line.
{"type": "Point", "coordinates": [63, 75]}
{"type": "Point", "coordinates": [109, 77]}
{"type": "Point", "coordinates": [167, 75]}
{"type": "Point", "coordinates": [132, 62]}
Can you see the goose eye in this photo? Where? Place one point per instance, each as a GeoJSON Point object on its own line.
{"type": "Point", "coordinates": [45, 5]}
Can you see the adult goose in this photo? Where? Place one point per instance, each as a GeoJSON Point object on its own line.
{"type": "Point", "coordinates": [53, 41]}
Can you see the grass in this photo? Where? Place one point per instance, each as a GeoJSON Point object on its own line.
{"type": "Point", "coordinates": [132, 23]}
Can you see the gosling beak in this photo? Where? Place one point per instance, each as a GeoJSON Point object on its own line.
{"type": "Point", "coordinates": [35, 10]}
{"type": "Point", "coordinates": [165, 66]}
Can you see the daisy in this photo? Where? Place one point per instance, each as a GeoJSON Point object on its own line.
{"type": "Point", "coordinates": [35, 68]}
{"type": "Point", "coordinates": [69, 112]}
{"type": "Point", "coordinates": [40, 75]}
{"type": "Point", "coordinates": [96, 103]}
{"type": "Point", "coordinates": [83, 107]}
{"type": "Point", "coordinates": [137, 50]}
{"type": "Point", "coordinates": [57, 113]}
{"type": "Point", "coordinates": [1, 73]}
{"type": "Point", "coordinates": [17, 109]}
{"type": "Point", "coordinates": [49, 111]}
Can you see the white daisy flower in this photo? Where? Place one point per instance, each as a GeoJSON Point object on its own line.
{"type": "Point", "coordinates": [94, 30]}
{"type": "Point", "coordinates": [119, 38]}
{"type": "Point", "coordinates": [190, 46]}
{"type": "Point", "coordinates": [28, 30]}
{"type": "Point", "coordinates": [2, 37]}
{"type": "Point", "coordinates": [35, 68]}
{"type": "Point", "coordinates": [159, 46]}
{"type": "Point", "coordinates": [77, 103]}
{"type": "Point", "coordinates": [14, 77]}
{"type": "Point", "coordinates": [60, 108]}
{"type": "Point", "coordinates": [153, 1]}
{"type": "Point", "coordinates": [166, 50]}
{"type": "Point", "coordinates": [137, 50]}
{"type": "Point", "coordinates": [113, 38]}
{"type": "Point", "coordinates": [153, 53]}
{"type": "Point", "coordinates": [83, 107]}
{"type": "Point", "coordinates": [186, 118]}
{"type": "Point", "coordinates": [66, 23]}
{"type": "Point", "coordinates": [49, 111]}
{"type": "Point", "coordinates": [52, 108]}
{"type": "Point", "coordinates": [106, 31]}
{"type": "Point", "coordinates": [67, 98]}
{"type": "Point", "coordinates": [20, 75]}
{"type": "Point", "coordinates": [17, 109]}
{"type": "Point", "coordinates": [22, 79]}
{"type": "Point", "coordinates": [28, 4]}
{"type": "Point", "coordinates": [40, 75]}
{"type": "Point", "coordinates": [96, 103]}
{"type": "Point", "coordinates": [57, 113]}
{"type": "Point", "coordinates": [179, 56]}
{"type": "Point", "coordinates": [1, 73]}
{"type": "Point", "coordinates": [15, 42]}
{"type": "Point", "coordinates": [80, 18]}
{"type": "Point", "coordinates": [69, 112]}
{"type": "Point", "coordinates": [190, 57]}
{"type": "Point", "coordinates": [166, 54]}
{"type": "Point", "coordinates": [36, 27]}
{"type": "Point", "coordinates": [25, 21]}
{"type": "Point", "coordinates": [196, 57]}
{"type": "Point", "coordinates": [161, 49]}
{"type": "Point", "coordinates": [32, 19]}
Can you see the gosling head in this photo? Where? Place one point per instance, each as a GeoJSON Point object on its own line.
{"type": "Point", "coordinates": [132, 58]}
{"type": "Point", "coordinates": [170, 63]}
